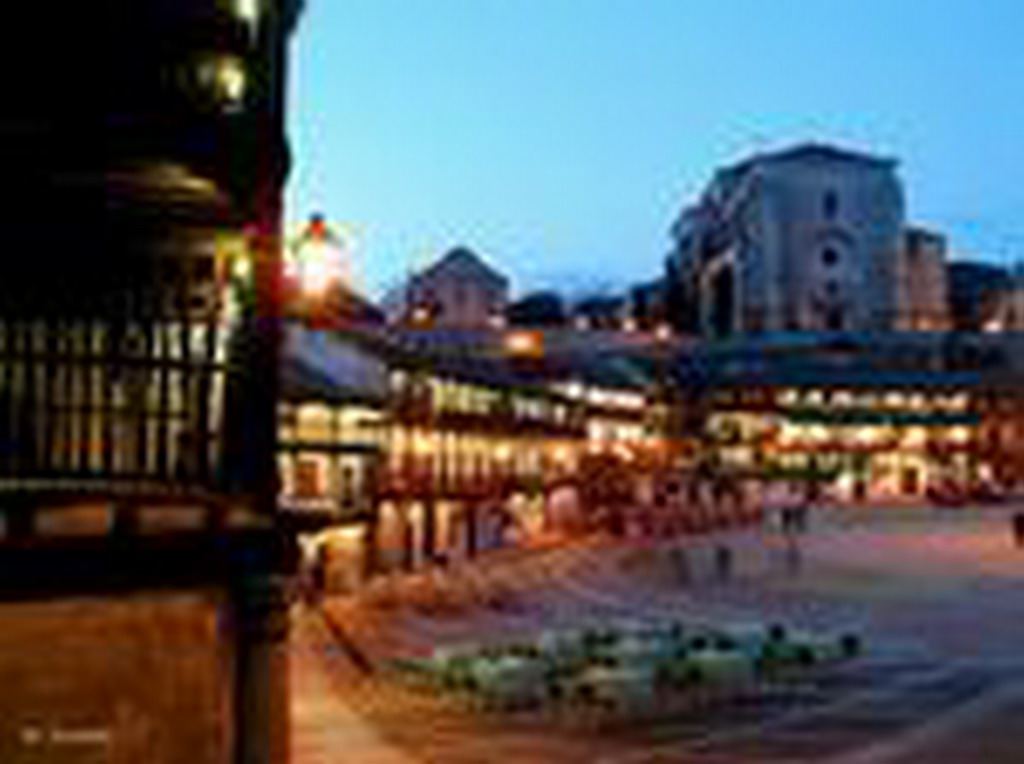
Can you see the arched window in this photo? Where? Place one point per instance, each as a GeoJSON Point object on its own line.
{"type": "Point", "coordinates": [723, 296]}
{"type": "Point", "coordinates": [834, 320]}
{"type": "Point", "coordinates": [830, 204]}
{"type": "Point", "coordinates": [829, 256]}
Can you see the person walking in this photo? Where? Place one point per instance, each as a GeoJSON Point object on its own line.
{"type": "Point", "coordinates": [318, 576]}
{"type": "Point", "coordinates": [793, 557]}
{"type": "Point", "coordinates": [1018, 529]}
{"type": "Point", "coordinates": [680, 562]}
{"type": "Point", "coordinates": [723, 562]}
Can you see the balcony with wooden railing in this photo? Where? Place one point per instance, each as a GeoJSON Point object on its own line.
{"type": "Point", "coordinates": [501, 417]}
{"type": "Point", "coordinates": [127, 407]}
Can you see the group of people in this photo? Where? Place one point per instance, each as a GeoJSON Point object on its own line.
{"type": "Point", "coordinates": [793, 519]}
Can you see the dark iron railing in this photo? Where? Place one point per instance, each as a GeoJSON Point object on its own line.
{"type": "Point", "coordinates": [90, 402]}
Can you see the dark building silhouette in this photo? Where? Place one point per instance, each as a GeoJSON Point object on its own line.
{"type": "Point", "coordinates": [538, 309]}
{"type": "Point", "coordinates": [144, 156]}
{"type": "Point", "coordinates": [973, 289]}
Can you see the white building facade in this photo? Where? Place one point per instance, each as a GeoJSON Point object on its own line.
{"type": "Point", "coordinates": [458, 291]}
{"type": "Point", "coordinates": [803, 239]}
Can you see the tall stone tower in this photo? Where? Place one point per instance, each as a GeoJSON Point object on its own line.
{"type": "Point", "coordinates": [803, 239]}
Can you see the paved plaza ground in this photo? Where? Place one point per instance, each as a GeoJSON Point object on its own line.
{"type": "Point", "coordinates": [938, 594]}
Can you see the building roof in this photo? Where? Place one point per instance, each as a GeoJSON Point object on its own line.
{"type": "Point", "coordinates": [320, 365]}
{"type": "Point", "coordinates": [857, 360]}
{"type": "Point", "coordinates": [813, 151]}
{"type": "Point", "coordinates": [827, 152]}
{"type": "Point", "coordinates": [465, 261]}
{"type": "Point", "coordinates": [729, 176]}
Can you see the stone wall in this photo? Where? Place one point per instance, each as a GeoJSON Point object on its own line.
{"type": "Point", "coordinates": [145, 678]}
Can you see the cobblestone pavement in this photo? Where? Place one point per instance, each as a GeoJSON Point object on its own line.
{"type": "Point", "coordinates": [326, 728]}
{"type": "Point", "coordinates": [939, 597]}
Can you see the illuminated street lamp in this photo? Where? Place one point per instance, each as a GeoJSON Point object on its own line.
{"type": "Point", "coordinates": [524, 344]}
{"type": "Point", "coordinates": [317, 257]}
{"type": "Point", "coordinates": [316, 271]}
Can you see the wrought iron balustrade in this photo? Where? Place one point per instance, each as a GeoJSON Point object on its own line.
{"type": "Point", "coordinates": [90, 403]}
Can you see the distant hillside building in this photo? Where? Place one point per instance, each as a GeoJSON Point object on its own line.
{"type": "Point", "coordinates": [647, 303]}
{"type": "Point", "coordinates": [602, 312]}
{"type": "Point", "coordinates": [803, 239]}
{"type": "Point", "coordinates": [1007, 307]}
{"type": "Point", "coordinates": [458, 291]}
{"type": "Point", "coordinates": [923, 289]}
{"type": "Point", "coordinates": [974, 291]}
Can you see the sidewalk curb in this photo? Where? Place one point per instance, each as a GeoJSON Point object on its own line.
{"type": "Point", "coordinates": [354, 653]}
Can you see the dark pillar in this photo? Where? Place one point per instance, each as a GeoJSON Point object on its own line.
{"type": "Point", "coordinates": [20, 518]}
{"type": "Point", "coordinates": [472, 513]}
{"type": "Point", "coordinates": [429, 528]}
{"type": "Point", "coordinates": [408, 541]}
{"type": "Point", "coordinates": [371, 543]}
{"type": "Point", "coordinates": [260, 623]}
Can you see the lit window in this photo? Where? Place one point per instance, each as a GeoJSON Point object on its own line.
{"type": "Point", "coordinates": [960, 434]}
{"type": "Point", "coordinates": [248, 10]}
{"type": "Point", "coordinates": [231, 80]}
{"type": "Point", "coordinates": [307, 478]}
{"type": "Point", "coordinates": [223, 77]}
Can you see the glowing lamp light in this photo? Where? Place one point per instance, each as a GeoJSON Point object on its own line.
{"type": "Point", "coordinates": [248, 10]}
{"type": "Point", "coordinates": [523, 343]}
{"type": "Point", "coordinates": [960, 434]}
{"type": "Point", "coordinates": [423, 444]}
{"type": "Point", "coordinates": [316, 259]}
{"type": "Point", "coordinates": [663, 332]}
{"type": "Point", "coordinates": [317, 276]}
{"type": "Point", "coordinates": [867, 435]}
{"type": "Point", "coordinates": [243, 268]}
{"type": "Point", "coordinates": [230, 78]}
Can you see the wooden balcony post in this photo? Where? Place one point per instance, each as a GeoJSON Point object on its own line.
{"type": "Point", "coordinates": [259, 620]}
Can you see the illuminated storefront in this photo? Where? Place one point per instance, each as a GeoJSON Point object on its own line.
{"type": "Point", "coordinates": [862, 444]}
{"type": "Point", "coordinates": [436, 456]}
{"type": "Point", "coordinates": [867, 417]}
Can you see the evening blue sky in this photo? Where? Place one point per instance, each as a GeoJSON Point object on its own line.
{"type": "Point", "coordinates": [559, 138]}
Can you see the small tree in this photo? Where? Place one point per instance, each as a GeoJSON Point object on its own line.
{"type": "Point", "coordinates": [538, 309]}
